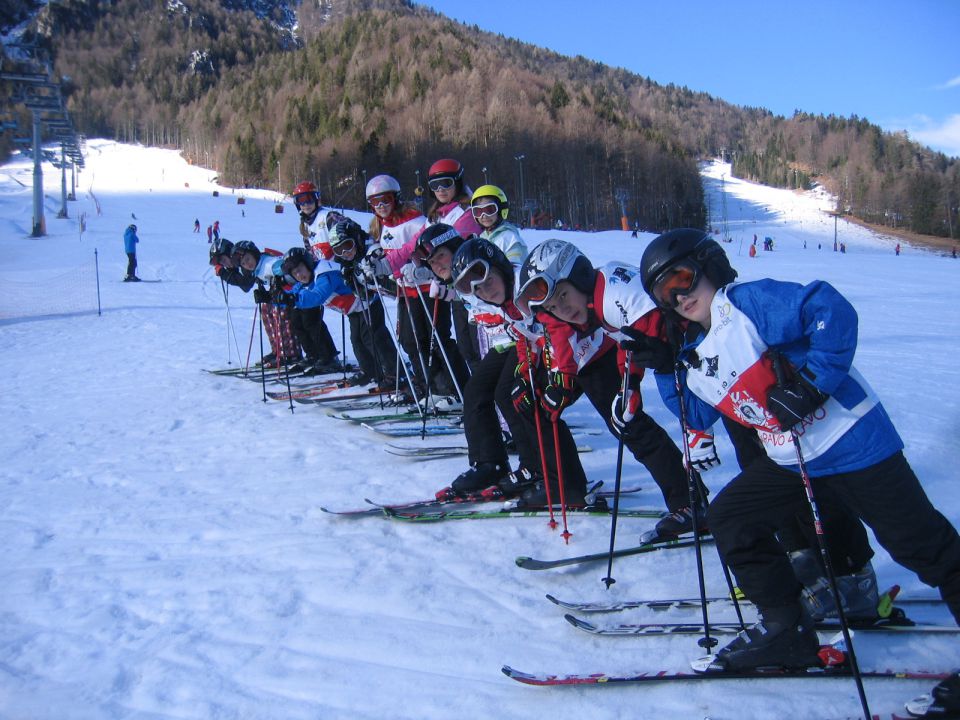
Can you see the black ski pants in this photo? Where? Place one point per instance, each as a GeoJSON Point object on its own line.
{"type": "Point", "coordinates": [131, 264]}
{"type": "Point", "coordinates": [313, 334]}
{"type": "Point", "coordinates": [747, 513]}
{"type": "Point", "coordinates": [371, 342]}
{"type": "Point", "coordinates": [467, 339]}
{"type": "Point", "coordinates": [646, 441]}
{"type": "Point", "coordinates": [415, 335]}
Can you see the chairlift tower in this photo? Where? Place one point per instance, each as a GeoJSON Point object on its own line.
{"type": "Point", "coordinates": [725, 233]}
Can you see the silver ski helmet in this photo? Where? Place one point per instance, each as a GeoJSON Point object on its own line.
{"type": "Point", "coordinates": [549, 263]}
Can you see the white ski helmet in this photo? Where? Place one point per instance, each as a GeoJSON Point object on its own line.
{"type": "Point", "coordinates": [550, 262]}
{"type": "Point", "coordinates": [383, 184]}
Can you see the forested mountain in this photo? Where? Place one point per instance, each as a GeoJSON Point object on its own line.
{"type": "Point", "coordinates": [359, 87]}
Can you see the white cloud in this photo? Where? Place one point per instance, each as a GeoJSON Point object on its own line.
{"type": "Point", "coordinates": [942, 135]}
{"type": "Point", "coordinates": [955, 82]}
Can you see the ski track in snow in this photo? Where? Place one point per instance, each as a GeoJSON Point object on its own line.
{"type": "Point", "coordinates": [164, 555]}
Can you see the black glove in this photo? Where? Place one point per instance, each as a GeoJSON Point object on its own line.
{"type": "Point", "coordinates": [792, 401]}
{"type": "Point", "coordinates": [351, 229]}
{"type": "Point", "coordinates": [284, 298]}
{"type": "Point", "coordinates": [261, 295]}
{"type": "Point", "coordinates": [647, 351]}
{"type": "Point", "coordinates": [523, 396]}
{"type": "Point", "coordinates": [557, 395]}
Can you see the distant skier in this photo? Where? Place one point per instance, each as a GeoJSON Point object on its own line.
{"type": "Point", "coordinates": [216, 230]}
{"type": "Point", "coordinates": [209, 233]}
{"type": "Point", "coordinates": [196, 225]}
{"type": "Point", "coordinates": [130, 241]}
{"type": "Point", "coordinates": [897, 249]}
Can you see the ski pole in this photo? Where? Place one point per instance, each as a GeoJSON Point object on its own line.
{"type": "Point", "coordinates": [443, 352]}
{"type": "Point", "coordinates": [609, 579]}
{"type": "Point", "coordinates": [230, 325]}
{"type": "Point", "coordinates": [283, 316]}
{"type": "Point", "coordinates": [780, 373]}
{"type": "Point", "coordinates": [368, 319]}
{"type": "Point", "coordinates": [246, 369]}
{"type": "Point", "coordinates": [423, 429]}
{"type": "Point", "coordinates": [263, 370]}
{"type": "Point", "coordinates": [396, 343]}
{"type": "Point", "coordinates": [343, 345]}
{"type": "Point", "coordinates": [96, 268]}
{"type": "Point", "coordinates": [416, 341]}
{"type": "Point", "coordinates": [566, 534]}
{"type": "Point", "coordinates": [693, 492]}
{"type": "Point", "coordinates": [536, 419]}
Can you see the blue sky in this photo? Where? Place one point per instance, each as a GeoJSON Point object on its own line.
{"type": "Point", "coordinates": [895, 63]}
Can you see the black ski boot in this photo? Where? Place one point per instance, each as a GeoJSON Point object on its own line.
{"type": "Point", "coordinates": [784, 637]}
{"type": "Point", "coordinates": [480, 476]}
{"type": "Point", "coordinates": [536, 496]}
{"type": "Point", "coordinates": [674, 524]}
{"type": "Point", "coordinates": [858, 591]}
{"type": "Point", "coordinates": [514, 484]}
{"type": "Point", "coordinates": [943, 702]}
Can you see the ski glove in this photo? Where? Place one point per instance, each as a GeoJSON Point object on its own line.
{"type": "Point", "coordinates": [647, 351]}
{"type": "Point", "coordinates": [261, 295]}
{"type": "Point", "coordinates": [523, 396]}
{"type": "Point", "coordinates": [626, 405]}
{"type": "Point", "coordinates": [703, 451]}
{"type": "Point", "coordinates": [793, 401]}
{"type": "Point", "coordinates": [413, 275]}
{"type": "Point", "coordinates": [375, 265]}
{"type": "Point", "coordinates": [557, 395]}
{"type": "Point", "coordinates": [441, 291]}
{"type": "Point", "coordinates": [348, 228]}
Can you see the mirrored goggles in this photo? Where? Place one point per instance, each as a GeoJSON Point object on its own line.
{"type": "Point", "coordinates": [304, 198]}
{"type": "Point", "coordinates": [381, 199]}
{"type": "Point", "coordinates": [347, 247]}
{"type": "Point", "coordinates": [441, 183]}
{"type": "Point", "coordinates": [535, 291]}
{"type": "Point", "coordinates": [681, 279]}
{"type": "Point", "coordinates": [489, 209]}
{"type": "Point", "coordinates": [474, 274]}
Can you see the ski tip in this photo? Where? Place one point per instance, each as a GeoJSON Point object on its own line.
{"type": "Point", "coordinates": [552, 599]}
{"type": "Point", "coordinates": [522, 560]}
{"type": "Point", "coordinates": [580, 624]}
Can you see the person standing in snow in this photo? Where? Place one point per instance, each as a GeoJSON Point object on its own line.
{"type": "Point", "coordinates": [782, 371]}
{"type": "Point", "coordinates": [897, 249]}
{"type": "Point", "coordinates": [196, 225]}
{"type": "Point", "coordinates": [130, 241]}
{"type": "Point", "coordinates": [209, 233]}
{"type": "Point", "coordinates": [451, 206]}
{"type": "Point", "coordinates": [216, 230]}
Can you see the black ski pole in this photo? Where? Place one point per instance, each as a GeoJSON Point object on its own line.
{"type": "Point", "coordinates": [343, 345]}
{"type": "Point", "coordinates": [401, 364]}
{"type": "Point", "coordinates": [282, 316]}
{"type": "Point", "coordinates": [695, 495]}
{"type": "Point", "coordinates": [96, 268]}
{"type": "Point", "coordinates": [263, 371]}
{"type": "Point", "coordinates": [609, 580]}
{"type": "Point", "coordinates": [428, 399]}
{"type": "Point", "coordinates": [780, 373]}
{"type": "Point", "coordinates": [436, 335]}
{"type": "Point", "coordinates": [368, 319]}
{"type": "Point", "coordinates": [423, 428]}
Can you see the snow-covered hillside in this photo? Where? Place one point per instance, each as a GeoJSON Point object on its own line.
{"type": "Point", "coordinates": [164, 554]}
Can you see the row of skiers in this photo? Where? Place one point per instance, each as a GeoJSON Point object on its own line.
{"type": "Point", "coordinates": [770, 360]}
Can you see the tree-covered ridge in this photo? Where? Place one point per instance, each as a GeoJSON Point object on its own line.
{"type": "Point", "coordinates": [385, 86]}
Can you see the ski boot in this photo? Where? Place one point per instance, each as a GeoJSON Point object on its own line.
{"type": "Point", "coordinates": [441, 404]}
{"type": "Point", "coordinates": [514, 484]}
{"type": "Point", "coordinates": [943, 702]}
{"type": "Point", "coordinates": [674, 524]}
{"type": "Point", "coordinates": [859, 594]}
{"type": "Point", "coordinates": [481, 475]}
{"type": "Point", "coordinates": [785, 637]}
{"type": "Point", "coordinates": [536, 496]}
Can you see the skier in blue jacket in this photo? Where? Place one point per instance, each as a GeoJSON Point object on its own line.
{"type": "Point", "coordinates": [130, 241]}
{"type": "Point", "coordinates": [739, 338]}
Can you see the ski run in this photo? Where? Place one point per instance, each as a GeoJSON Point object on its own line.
{"type": "Point", "coordinates": [165, 550]}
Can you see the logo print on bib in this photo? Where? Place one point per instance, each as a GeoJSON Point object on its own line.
{"type": "Point", "coordinates": [749, 410]}
{"type": "Point", "coordinates": [713, 364]}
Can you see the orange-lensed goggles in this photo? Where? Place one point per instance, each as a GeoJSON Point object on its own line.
{"type": "Point", "coordinates": [386, 198]}
{"type": "Point", "coordinates": [681, 279]}
{"type": "Point", "coordinates": [535, 291]}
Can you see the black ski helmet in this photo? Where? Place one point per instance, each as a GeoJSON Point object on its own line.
{"type": "Point", "coordinates": [219, 248]}
{"type": "Point", "coordinates": [243, 247]}
{"type": "Point", "coordinates": [478, 248]}
{"type": "Point", "coordinates": [668, 249]}
{"type": "Point", "coordinates": [437, 236]}
{"type": "Point", "coordinates": [296, 255]}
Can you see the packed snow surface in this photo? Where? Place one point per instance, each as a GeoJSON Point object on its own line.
{"type": "Point", "coordinates": [164, 551]}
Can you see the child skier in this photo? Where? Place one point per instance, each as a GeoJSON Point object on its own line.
{"type": "Point", "coordinates": [737, 337]}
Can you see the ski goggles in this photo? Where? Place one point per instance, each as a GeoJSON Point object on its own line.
{"type": "Point", "coordinates": [535, 291]}
{"type": "Point", "coordinates": [489, 209]}
{"type": "Point", "coordinates": [473, 275]}
{"type": "Point", "coordinates": [425, 250]}
{"type": "Point", "coordinates": [304, 198]}
{"type": "Point", "coordinates": [441, 183]}
{"type": "Point", "coordinates": [680, 279]}
{"type": "Point", "coordinates": [347, 247]}
{"type": "Point", "coordinates": [381, 200]}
